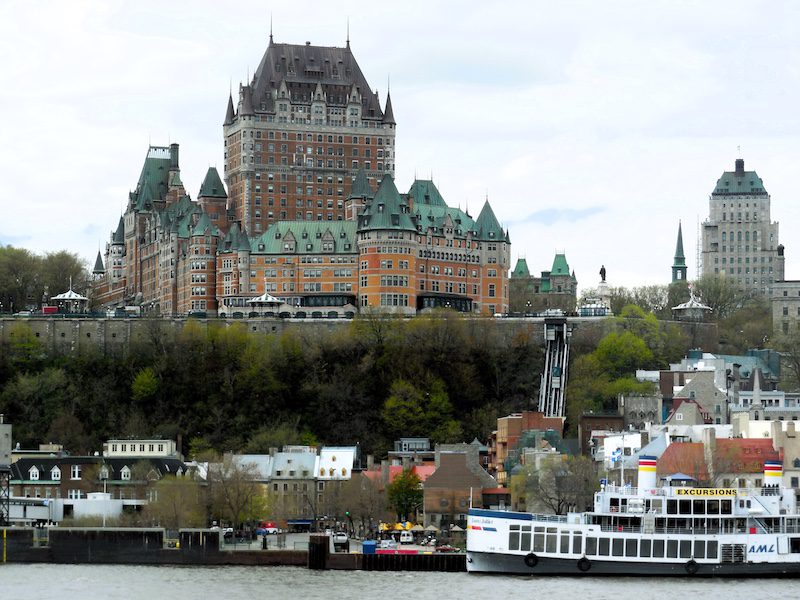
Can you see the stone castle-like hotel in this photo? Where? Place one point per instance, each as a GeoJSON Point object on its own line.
{"type": "Point", "coordinates": [311, 216]}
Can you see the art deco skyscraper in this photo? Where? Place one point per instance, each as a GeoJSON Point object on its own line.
{"type": "Point", "coordinates": [739, 239]}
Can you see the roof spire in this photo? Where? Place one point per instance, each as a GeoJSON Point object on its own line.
{"type": "Point", "coordinates": [270, 29]}
{"type": "Point", "coordinates": [679, 264]}
{"type": "Point", "coordinates": [348, 33]}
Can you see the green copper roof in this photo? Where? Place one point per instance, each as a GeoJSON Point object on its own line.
{"type": "Point", "coordinates": [388, 210]}
{"type": "Point", "coordinates": [175, 180]}
{"type": "Point", "coordinates": [361, 187]}
{"type": "Point", "coordinates": [204, 225]}
{"type": "Point", "coordinates": [154, 179]}
{"type": "Point", "coordinates": [521, 270]}
{"type": "Point", "coordinates": [443, 216]}
{"type": "Point", "coordinates": [680, 259]}
{"type": "Point", "coordinates": [740, 182]}
{"type": "Point", "coordinates": [212, 185]}
{"type": "Point", "coordinates": [560, 266]}
{"type": "Point", "coordinates": [424, 191]}
{"type": "Point", "coordinates": [487, 225]}
{"type": "Point", "coordinates": [308, 237]}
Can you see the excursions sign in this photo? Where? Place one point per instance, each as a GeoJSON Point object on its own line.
{"type": "Point", "coordinates": [704, 492]}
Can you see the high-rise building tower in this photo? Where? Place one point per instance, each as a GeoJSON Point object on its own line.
{"type": "Point", "coordinates": [301, 130]}
{"type": "Point", "coordinates": [679, 262]}
{"type": "Point", "coordinates": [739, 240]}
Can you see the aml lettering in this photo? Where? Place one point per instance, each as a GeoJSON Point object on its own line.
{"type": "Point", "coordinates": [762, 548]}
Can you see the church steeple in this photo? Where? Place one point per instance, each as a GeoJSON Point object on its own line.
{"type": "Point", "coordinates": [679, 263]}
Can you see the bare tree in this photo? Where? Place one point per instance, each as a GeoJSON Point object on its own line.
{"type": "Point", "coordinates": [234, 492]}
{"type": "Point", "coordinates": [561, 484]}
{"type": "Point", "coordinates": [177, 502]}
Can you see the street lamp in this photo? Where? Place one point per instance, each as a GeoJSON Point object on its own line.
{"type": "Point", "coordinates": [104, 479]}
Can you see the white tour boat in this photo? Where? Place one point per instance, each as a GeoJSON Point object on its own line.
{"type": "Point", "coordinates": [648, 531]}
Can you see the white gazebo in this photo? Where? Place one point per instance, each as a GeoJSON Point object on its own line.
{"type": "Point", "coordinates": [71, 301]}
{"type": "Point", "coordinates": [265, 302]}
{"type": "Point", "coordinates": [691, 310]}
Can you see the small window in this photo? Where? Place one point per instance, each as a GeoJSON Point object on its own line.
{"type": "Point", "coordinates": [591, 546]}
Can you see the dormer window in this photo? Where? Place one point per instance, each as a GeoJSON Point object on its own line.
{"type": "Point", "coordinates": [33, 474]}
{"type": "Point", "coordinates": [125, 474]}
{"type": "Point", "coordinates": [55, 474]}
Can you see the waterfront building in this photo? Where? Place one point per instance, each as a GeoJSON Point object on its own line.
{"type": "Point", "coordinates": [739, 239]}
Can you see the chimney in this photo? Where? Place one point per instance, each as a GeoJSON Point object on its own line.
{"type": "Point", "coordinates": [740, 166]}
{"type": "Point", "coordinates": [173, 156]}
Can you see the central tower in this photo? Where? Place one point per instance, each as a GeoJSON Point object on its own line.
{"type": "Point", "coordinates": [298, 134]}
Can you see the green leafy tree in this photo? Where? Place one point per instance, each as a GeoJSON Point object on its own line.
{"type": "Point", "coordinates": [405, 495]}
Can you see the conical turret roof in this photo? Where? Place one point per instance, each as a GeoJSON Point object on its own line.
{"type": "Point", "coordinates": [388, 113]}
{"type": "Point", "coordinates": [98, 265]}
{"type": "Point", "coordinates": [119, 234]}
{"type": "Point", "coordinates": [229, 114]}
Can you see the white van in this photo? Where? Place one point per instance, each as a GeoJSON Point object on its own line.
{"type": "Point", "coordinates": [406, 537]}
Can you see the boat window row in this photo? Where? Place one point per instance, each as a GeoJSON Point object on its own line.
{"type": "Point", "coordinates": [550, 540]}
{"type": "Point", "coordinates": [544, 539]}
{"type": "Point", "coordinates": [699, 507]}
{"type": "Point", "coordinates": [650, 548]}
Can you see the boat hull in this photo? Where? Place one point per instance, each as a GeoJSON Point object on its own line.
{"type": "Point", "coordinates": [501, 563]}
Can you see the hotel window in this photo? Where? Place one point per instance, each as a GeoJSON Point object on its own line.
{"type": "Point", "coordinates": [75, 472]}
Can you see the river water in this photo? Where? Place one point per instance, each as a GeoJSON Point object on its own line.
{"type": "Point", "coordinates": [72, 582]}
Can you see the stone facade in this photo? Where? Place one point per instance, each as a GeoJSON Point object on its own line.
{"type": "Point", "coordinates": [739, 240]}
{"type": "Point", "coordinates": [554, 289]}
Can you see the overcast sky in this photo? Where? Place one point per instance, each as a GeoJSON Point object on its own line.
{"type": "Point", "coordinates": [593, 127]}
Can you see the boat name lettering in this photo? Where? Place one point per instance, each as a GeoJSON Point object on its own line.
{"type": "Point", "coordinates": [761, 548]}
{"type": "Point", "coordinates": [704, 492]}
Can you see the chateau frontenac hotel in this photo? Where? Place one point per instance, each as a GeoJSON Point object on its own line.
{"type": "Point", "coordinates": [311, 215]}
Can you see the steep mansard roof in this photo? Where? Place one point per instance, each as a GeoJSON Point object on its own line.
{"type": "Point", "coordinates": [308, 237]}
{"type": "Point", "coordinates": [488, 227]}
{"type": "Point", "coordinates": [739, 182]}
{"type": "Point", "coordinates": [212, 185]}
{"type": "Point", "coordinates": [204, 225]}
{"type": "Point", "coordinates": [361, 187]}
{"type": "Point", "coordinates": [560, 266]}
{"type": "Point", "coordinates": [521, 269]}
{"type": "Point", "coordinates": [424, 191]}
{"type": "Point", "coordinates": [388, 210]}
{"type": "Point", "coordinates": [303, 67]}
{"type": "Point", "coordinates": [154, 179]}
{"type": "Point", "coordinates": [235, 240]}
